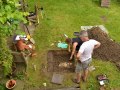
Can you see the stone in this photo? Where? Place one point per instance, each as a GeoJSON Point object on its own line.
{"type": "Point", "coordinates": [57, 78]}
{"type": "Point", "coordinates": [71, 88]}
{"type": "Point", "coordinates": [105, 3]}
{"type": "Point", "coordinates": [102, 27]}
{"type": "Point", "coordinates": [86, 27]}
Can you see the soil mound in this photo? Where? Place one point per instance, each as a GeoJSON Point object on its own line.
{"type": "Point", "coordinates": [109, 49]}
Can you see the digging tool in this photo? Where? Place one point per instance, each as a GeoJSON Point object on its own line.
{"type": "Point", "coordinates": [36, 10]}
{"type": "Point", "coordinates": [41, 12]}
{"type": "Point", "coordinates": [34, 67]}
{"type": "Point", "coordinates": [66, 35]}
{"type": "Point", "coordinates": [41, 9]}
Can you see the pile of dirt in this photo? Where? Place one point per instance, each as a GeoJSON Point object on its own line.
{"type": "Point", "coordinates": [109, 49]}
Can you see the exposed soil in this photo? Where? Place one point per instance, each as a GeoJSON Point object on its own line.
{"type": "Point", "coordinates": [103, 18]}
{"type": "Point", "coordinates": [57, 60]}
{"type": "Point", "coordinates": [109, 49]}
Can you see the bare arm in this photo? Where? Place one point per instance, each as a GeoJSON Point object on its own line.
{"type": "Point", "coordinates": [73, 49]}
{"type": "Point", "coordinates": [78, 55]}
{"type": "Point", "coordinates": [69, 48]}
{"type": "Point", "coordinates": [97, 45]}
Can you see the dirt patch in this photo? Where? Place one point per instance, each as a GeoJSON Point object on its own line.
{"type": "Point", "coordinates": [103, 18]}
{"type": "Point", "coordinates": [58, 61]}
{"type": "Point", "coordinates": [109, 49]}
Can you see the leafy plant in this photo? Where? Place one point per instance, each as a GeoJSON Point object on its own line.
{"type": "Point", "coordinates": [10, 17]}
{"type": "Point", "coordinates": [5, 56]}
{"type": "Point", "coordinates": [2, 87]}
{"type": "Point", "coordinates": [20, 76]}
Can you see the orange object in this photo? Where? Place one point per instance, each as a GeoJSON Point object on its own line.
{"type": "Point", "coordinates": [10, 84]}
{"type": "Point", "coordinates": [33, 54]}
{"type": "Point", "coordinates": [21, 45]}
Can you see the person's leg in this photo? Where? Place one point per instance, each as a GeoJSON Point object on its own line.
{"type": "Point", "coordinates": [78, 77]}
{"type": "Point", "coordinates": [75, 58]}
{"type": "Point", "coordinates": [75, 55]}
{"type": "Point", "coordinates": [78, 72]}
{"type": "Point", "coordinates": [86, 70]}
{"type": "Point", "coordinates": [85, 75]}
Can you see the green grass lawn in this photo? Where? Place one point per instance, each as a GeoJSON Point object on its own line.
{"type": "Point", "coordinates": [66, 16]}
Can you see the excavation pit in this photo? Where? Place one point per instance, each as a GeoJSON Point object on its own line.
{"type": "Point", "coordinates": [58, 61]}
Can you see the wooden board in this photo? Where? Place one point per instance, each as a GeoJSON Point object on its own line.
{"type": "Point", "coordinates": [105, 3]}
{"type": "Point", "coordinates": [69, 89]}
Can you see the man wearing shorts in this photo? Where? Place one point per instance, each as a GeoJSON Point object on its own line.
{"type": "Point", "coordinates": [84, 55]}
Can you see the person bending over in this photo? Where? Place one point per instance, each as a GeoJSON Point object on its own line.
{"type": "Point", "coordinates": [75, 44]}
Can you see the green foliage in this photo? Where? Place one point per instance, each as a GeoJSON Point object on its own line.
{"type": "Point", "coordinates": [10, 17]}
{"type": "Point", "coordinates": [19, 32]}
{"type": "Point", "coordinates": [2, 87]}
{"type": "Point", "coordinates": [5, 56]}
{"type": "Point", "coordinates": [20, 76]}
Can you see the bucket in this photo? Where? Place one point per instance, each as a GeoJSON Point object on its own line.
{"type": "Point", "coordinates": [10, 84]}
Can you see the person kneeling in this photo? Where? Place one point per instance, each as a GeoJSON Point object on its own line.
{"type": "Point", "coordinates": [22, 46]}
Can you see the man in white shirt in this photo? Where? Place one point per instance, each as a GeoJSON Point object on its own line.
{"type": "Point", "coordinates": [85, 55]}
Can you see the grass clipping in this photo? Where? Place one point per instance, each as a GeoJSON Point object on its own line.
{"type": "Point", "coordinates": [109, 49]}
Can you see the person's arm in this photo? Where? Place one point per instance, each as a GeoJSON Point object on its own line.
{"type": "Point", "coordinates": [78, 55]}
{"type": "Point", "coordinates": [69, 48]}
{"type": "Point", "coordinates": [81, 50]}
{"type": "Point", "coordinates": [73, 49]}
{"type": "Point", "coordinates": [97, 45]}
{"type": "Point", "coordinates": [26, 47]}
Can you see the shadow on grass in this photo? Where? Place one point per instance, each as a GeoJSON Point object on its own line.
{"type": "Point", "coordinates": [97, 2]}
{"type": "Point", "coordinates": [117, 2]}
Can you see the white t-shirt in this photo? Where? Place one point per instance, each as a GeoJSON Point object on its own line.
{"type": "Point", "coordinates": [86, 49]}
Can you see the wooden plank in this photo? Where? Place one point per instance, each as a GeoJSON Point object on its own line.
{"type": "Point", "coordinates": [72, 88]}
{"type": "Point", "coordinates": [105, 3]}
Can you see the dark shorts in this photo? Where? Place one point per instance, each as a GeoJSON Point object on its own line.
{"type": "Point", "coordinates": [83, 65]}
